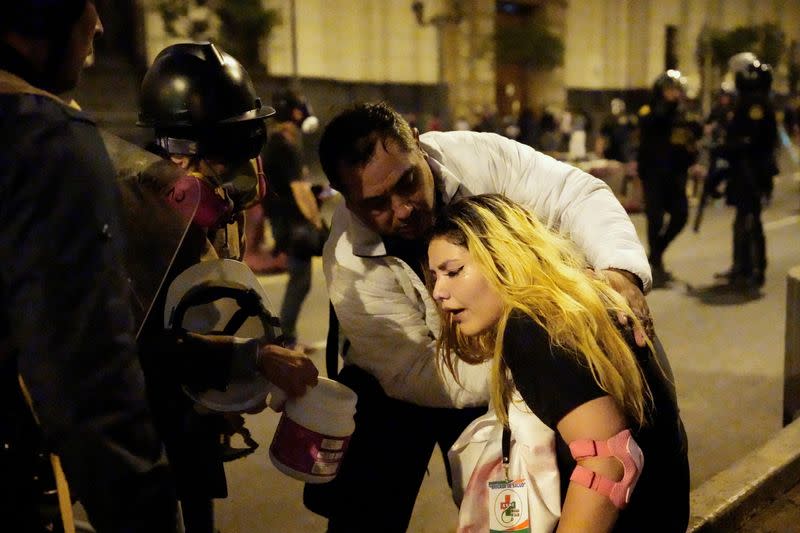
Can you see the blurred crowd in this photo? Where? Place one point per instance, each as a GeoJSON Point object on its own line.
{"type": "Point", "coordinates": [661, 153]}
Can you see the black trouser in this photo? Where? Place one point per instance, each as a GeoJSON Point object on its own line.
{"type": "Point", "coordinates": [664, 193]}
{"type": "Point", "coordinates": [388, 455]}
{"type": "Point", "coordinates": [198, 514]}
{"type": "Point", "coordinates": [749, 243]}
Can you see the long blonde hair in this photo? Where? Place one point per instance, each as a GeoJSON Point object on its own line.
{"type": "Point", "coordinates": [539, 273]}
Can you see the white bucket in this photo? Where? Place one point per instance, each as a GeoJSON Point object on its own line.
{"type": "Point", "coordinates": [314, 431]}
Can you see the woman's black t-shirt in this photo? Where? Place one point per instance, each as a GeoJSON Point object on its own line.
{"type": "Point", "coordinates": [553, 381]}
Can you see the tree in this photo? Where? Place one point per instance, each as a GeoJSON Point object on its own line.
{"type": "Point", "coordinates": [245, 25]}
{"type": "Point", "coordinates": [533, 46]}
{"type": "Point", "coordinates": [767, 41]}
{"type": "Point", "coordinates": [240, 26]}
{"type": "Point", "coordinates": [715, 47]}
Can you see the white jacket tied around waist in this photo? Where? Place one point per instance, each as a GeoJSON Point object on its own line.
{"type": "Point", "coordinates": [384, 308]}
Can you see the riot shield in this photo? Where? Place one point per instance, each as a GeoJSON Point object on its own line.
{"type": "Point", "coordinates": [158, 204]}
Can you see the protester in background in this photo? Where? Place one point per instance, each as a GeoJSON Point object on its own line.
{"type": "Point", "coordinates": [293, 206]}
{"type": "Point", "coordinates": [434, 123]}
{"type": "Point", "coordinates": [66, 327]}
{"type": "Point", "coordinates": [461, 124]}
{"type": "Point", "coordinates": [394, 182]}
{"type": "Point", "coordinates": [576, 147]}
{"type": "Point", "coordinates": [667, 148]}
{"type": "Point", "coordinates": [207, 119]}
{"type": "Point", "coordinates": [616, 134]}
{"type": "Point", "coordinates": [487, 121]}
{"type": "Point", "coordinates": [549, 136]}
{"type": "Point", "coordinates": [518, 295]}
{"type": "Point", "coordinates": [528, 129]}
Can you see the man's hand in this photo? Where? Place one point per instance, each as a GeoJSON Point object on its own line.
{"type": "Point", "coordinates": [628, 286]}
{"type": "Point", "coordinates": [289, 370]}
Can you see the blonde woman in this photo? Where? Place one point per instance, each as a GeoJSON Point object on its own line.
{"type": "Point", "coordinates": [514, 292]}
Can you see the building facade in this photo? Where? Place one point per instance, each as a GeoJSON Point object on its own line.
{"type": "Point", "coordinates": [437, 57]}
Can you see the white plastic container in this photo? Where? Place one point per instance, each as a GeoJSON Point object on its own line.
{"type": "Point", "coordinates": [314, 431]}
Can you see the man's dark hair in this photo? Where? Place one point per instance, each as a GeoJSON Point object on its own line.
{"type": "Point", "coordinates": [349, 139]}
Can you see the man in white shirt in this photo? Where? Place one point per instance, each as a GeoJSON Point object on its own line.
{"type": "Point", "coordinates": [393, 180]}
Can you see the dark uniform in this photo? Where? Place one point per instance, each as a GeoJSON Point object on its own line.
{"type": "Point", "coordinates": [212, 113]}
{"type": "Point", "coordinates": [667, 148]}
{"type": "Point", "coordinates": [65, 322]}
{"type": "Point", "coordinates": [750, 141]}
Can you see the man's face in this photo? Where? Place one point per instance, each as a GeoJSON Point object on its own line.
{"type": "Point", "coordinates": [79, 47]}
{"type": "Point", "coordinates": [673, 94]}
{"type": "Point", "coordinates": [393, 193]}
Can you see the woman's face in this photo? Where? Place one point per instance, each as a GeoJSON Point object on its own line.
{"type": "Point", "coordinates": [461, 289]}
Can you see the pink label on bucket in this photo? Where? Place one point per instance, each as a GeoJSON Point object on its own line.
{"type": "Point", "coordinates": [307, 451]}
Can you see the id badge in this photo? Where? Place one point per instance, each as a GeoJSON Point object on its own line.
{"type": "Point", "coordinates": [508, 506]}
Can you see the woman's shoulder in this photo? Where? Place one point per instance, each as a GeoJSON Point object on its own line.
{"type": "Point", "coordinates": [524, 335]}
{"type": "Point", "coordinates": [522, 324]}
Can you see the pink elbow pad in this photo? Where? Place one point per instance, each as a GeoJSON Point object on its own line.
{"type": "Point", "coordinates": [625, 450]}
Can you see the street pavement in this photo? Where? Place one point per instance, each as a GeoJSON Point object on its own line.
{"type": "Point", "coordinates": [726, 350]}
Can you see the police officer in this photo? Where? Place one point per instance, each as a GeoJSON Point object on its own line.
{"type": "Point", "coordinates": [667, 148]}
{"type": "Point", "coordinates": [65, 319]}
{"type": "Point", "coordinates": [750, 141]}
{"type": "Point", "coordinates": [207, 119]}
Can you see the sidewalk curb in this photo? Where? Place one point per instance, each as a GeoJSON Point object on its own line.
{"type": "Point", "coordinates": [723, 502]}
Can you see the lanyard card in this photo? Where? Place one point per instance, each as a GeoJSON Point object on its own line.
{"type": "Point", "coordinates": [508, 506]}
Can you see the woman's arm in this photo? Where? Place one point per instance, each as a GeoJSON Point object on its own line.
{"type": "Point", "coordinates": [306, 201]}
{"type": "Point", "coordinates": [585, 509]}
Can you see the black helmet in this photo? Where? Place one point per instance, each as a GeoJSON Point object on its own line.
{"type": "Point", "coordinates": [755, 77]}
{"type": "Point", "coordinates": [197, 92]}
{"type": "Point", "coordinates": [41, 18]}
{"type": "Point", "coordinates": [286, 101]}
{"type": "Point", "coordinates": [669, 79]}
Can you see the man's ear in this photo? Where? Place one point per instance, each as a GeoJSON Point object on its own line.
{"type": "Point", "coordinates": [181, 161]}
{"type": "Point", "coordinates": [415, 133]}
